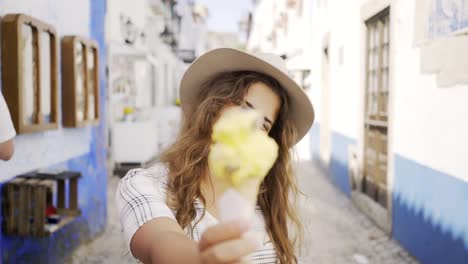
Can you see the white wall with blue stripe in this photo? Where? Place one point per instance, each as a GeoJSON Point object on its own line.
{"type": "Point", "coordinates": [428, 127]}
{"type": "Point", "coordinates": [82, 149]}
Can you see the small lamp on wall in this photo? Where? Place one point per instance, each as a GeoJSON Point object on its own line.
{"type": "Point", "coordinates": [30, 72]}
{"type": "Point", "coordinates": [80, 81]}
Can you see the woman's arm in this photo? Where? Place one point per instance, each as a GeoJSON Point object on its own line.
{"type": "Point", "coordinates": [154, 236]}
{"type": "Point", "coordinates": [162, 241]}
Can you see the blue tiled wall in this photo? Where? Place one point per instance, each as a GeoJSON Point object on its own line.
{"type": "Point", "coordinates": [446, 17]}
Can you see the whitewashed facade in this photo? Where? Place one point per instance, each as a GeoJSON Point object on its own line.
{"type": "Point", "coordinates": [421, 56]}
{"type": "Point", "coordinates": [150, 44]}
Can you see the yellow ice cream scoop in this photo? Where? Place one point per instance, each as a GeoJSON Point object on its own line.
{"type": "Point", "coordinates": [241, 152]}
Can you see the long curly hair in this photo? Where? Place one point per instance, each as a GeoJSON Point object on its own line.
{"type": "Point", "coordinates": [187, 160]}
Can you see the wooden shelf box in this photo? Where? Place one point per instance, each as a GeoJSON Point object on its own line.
{"type": "Point", "coordinates": [80, 81]}
{"type": "Point", "coordinates": [26, 197]}
{"type": "Point", "coordinates": [62, 178]}
{"type": "Point", "coordinates": [30, 72]}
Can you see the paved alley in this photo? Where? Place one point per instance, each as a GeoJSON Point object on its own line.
{"type": "Point", "coordinates": [336, 232]}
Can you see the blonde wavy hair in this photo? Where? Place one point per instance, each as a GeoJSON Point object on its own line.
{"type": "Point", "coordinates": [187, 160]}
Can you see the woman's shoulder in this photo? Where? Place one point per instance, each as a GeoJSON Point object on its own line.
{"type": "Point", "coordinates": [157, 173]}
{"type": "Point", "coordinates": [140, 197]}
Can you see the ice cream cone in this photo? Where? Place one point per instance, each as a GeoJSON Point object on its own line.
{"type": "Point", "coordinates": [240, 157]}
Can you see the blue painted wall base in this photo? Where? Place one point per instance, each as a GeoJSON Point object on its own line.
{"type": "Point", "coordinates": [92, 221]}
{"type": "Point", "coordinates": [430, 213]}
{"type": "Point", "coordinates": [339, 161]}
{"type": "Point", "coordinates": [430, 208]}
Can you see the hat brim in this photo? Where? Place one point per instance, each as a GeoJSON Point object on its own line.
{"type": "Point", "coordinates": [301, 111]}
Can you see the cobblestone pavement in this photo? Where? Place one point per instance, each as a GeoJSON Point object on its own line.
{"type": "Point", "coordinates": [109, 247]}
{"type": "Point", "coordinates": [336, 232]}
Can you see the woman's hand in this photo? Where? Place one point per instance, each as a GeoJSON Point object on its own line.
{"type": "Point", "coordinates": [226, 243]}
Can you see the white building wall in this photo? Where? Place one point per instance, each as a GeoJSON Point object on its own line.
{"type": "Point", "coordinates": [345, 74]}
{"type": "Point", "coordinates": [193, 32]}
{"type": "Point", "coordinates": [427, 122]}
{"type": "Point", "coordinates": [68, 18]}
{"type": "Point", "coordinates": [430, 122]}
{"type": "Point", "coordinates": [291, 37]}
{"type": "Point", "coordinates": [336, 26]}
{"type": "Point", "coordinates": [262, 26]}
{"type": "Point", "coordinates": [73, 18]}
{"type": "Point", "coordinates": [319, 28]}
{"type": "Point", "coordinates": [428, 116]}
{"type": "Point", "coordinates": [137, 11]}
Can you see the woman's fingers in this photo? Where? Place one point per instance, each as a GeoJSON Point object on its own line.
{"type": "Point", "coordinates": [231, 251]}
{"type": "Point", "coordinates": [227, 243]}
{"type": "Point", "coordinates": [223, 232]}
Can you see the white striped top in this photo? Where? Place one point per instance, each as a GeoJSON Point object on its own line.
{"type": "Point", "coordinates": [141, 197]}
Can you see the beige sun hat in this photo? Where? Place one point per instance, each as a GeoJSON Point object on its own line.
{"type": "Point", "coordinates": [220, 60]}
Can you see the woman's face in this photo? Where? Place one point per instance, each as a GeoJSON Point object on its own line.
{"type": "Point", "coordinates": [263, 99]}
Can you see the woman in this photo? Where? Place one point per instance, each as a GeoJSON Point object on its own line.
{"type": "Point", "coordinates": [168, 212]}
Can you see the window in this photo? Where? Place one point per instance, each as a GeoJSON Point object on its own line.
{"type": "Point", "coordinates": [376, 108]}
{"type": "Point", "coordinates": [80, 81]}
{"type": "Point", "coordinates": [29, 73]}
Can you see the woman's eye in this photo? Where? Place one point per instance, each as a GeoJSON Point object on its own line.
{"type": "Point", "coordinates": [243, 105]}
{"type": "Point", "coordinates": [247, 105]}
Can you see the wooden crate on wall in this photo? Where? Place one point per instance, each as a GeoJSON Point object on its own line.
{"type": "Point", "coordinates": [26, 197]}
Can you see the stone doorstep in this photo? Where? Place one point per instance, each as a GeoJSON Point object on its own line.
{"type": "Point", "coordinates": [375, 212]}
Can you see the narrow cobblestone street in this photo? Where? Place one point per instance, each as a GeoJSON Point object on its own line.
{"type": "Point", "coordinates": [335, 231]}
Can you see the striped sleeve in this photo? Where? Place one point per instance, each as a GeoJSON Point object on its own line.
{"type": "Point", "coordinates": [141, 197]}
